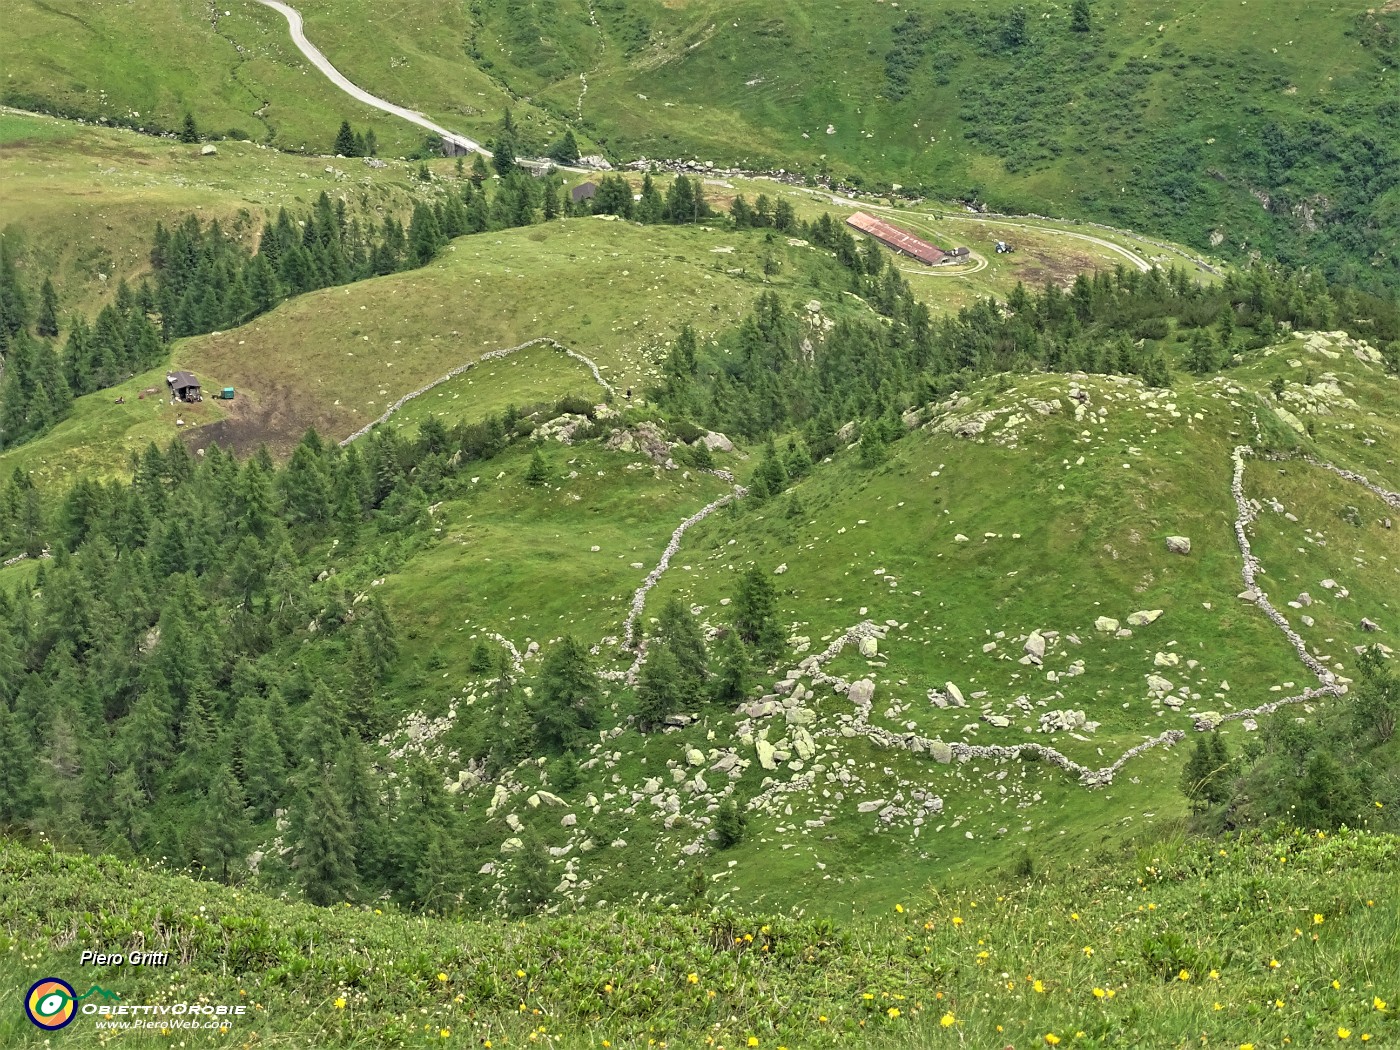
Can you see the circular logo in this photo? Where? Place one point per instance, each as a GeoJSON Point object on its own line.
{"type": "Point", "coordinates": [51, 1004]}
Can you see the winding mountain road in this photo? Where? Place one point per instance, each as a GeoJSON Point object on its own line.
{"type": "Point", "coordinates": [336, 77]}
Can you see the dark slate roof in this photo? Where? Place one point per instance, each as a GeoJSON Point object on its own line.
{"type": "Point", "coordinates": [181, 380]}
{"type": "Point", "coordinates": [584, 191]}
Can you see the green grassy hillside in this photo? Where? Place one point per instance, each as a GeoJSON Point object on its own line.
{"type": "Point", "coordinates": [81, 203]}
{"type": "Point", "coordinates": [1270, 131]}
{"type": "Point", "coordinates": [1261, 941]}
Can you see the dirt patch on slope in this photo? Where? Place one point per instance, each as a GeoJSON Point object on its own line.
{"type": "Point", "coordinates": [277, 417]}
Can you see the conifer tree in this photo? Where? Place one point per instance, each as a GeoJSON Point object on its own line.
{"type": "Point", "coordinates": [345, 141]}
{"type": "Point", "coordinates": [260, 761]}
{"type": "Point", "coordinates": [651, 208]}
{"type": "Point", "coordinates": [755, 613]}
{"type": "Point", "coordinates": [145, 736]}
{"type": "Point", "coordinates": [1206, 779]}
{"type": "Point", "coordinates": [565, 150]}
{"type": "Point", "coordinates": [223, 824]}
{"type": "Point", "coordinates": [325, 855]}
{"type": "Point", "coordinates": [565, 695]}
{"type": "Point", "coordinates": [733, 679]}
{"type": "Point", "coordinates": [47, 322]}
{"type": "Point", "coordinates": [479, 173]}
{"type": "Point", "coordinates": [679, 632]}
{"type": "Point", "coordinates": [18, 797]}
{"type": "Point", "coordinates": [658, 687]}
{"type": "Point", "coordinates": [565, 774]}
{"type": "Point", "coordinates": [730, 824]}
{"type": "Point", "coordinates": [424, 234]}
{"type": "Point", "coordinates": [538, 473]}
{"type": "Point", "coordinates": [189, 131]}
{"type": "Point", "coordinates": [533, 882]}
{"type": "Point", "coordinates": [1079, 16]}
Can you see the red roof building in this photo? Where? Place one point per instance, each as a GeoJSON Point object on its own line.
{"type": "Point", "coordinates": [894, 237]}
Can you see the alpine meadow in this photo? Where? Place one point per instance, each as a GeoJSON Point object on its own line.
{"type": "Point", "coordinates": [623, 523]}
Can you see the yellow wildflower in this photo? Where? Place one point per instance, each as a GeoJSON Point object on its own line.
{"type": "Point", "coordinates": [1378, 1003]}
{"type": "Point", "coordinates": [1098, 993]}
{"type": "Point", "coordinates": [892, 1012]}
{"type": "Point", "coordinates": [1038, 986]}
{"type": "Point", "coordinates": [753, 1040]}
{"type": "Point", "coordinates": [1218, 1006]}
{"type": "Point", "coordinates": [947, 1020]}
{"type": "Point", "coordinates": [1343, 1033]}
{"type": "Point", "coordinates": [899, 909]}
{"type": "Point", "coordinates": [444, 1032]}
{"type": "Point", "coordinates": [1052, 1039]}
{"type": "Point", "coordinates": [1074, 916]}
{"type": "Point", "coordinates": [1317, 919]}
{"type": "Point", "coordinates": [1214, 975]}
{"type": "Point", "coordinates": [1088, 952]}
{"type": "Point", "coordinates": [693, 978]}
{"type": "Point", "coordinates": [340, 1003]}
{"type": "Point", "coordinates": [443, 977]}
{"type": "Point", "coordinates": [1336, 984]}
{"type": "Point", "coordinates": [1273, 964]}
{"type": "Point", "coordinates": [1184, 975]}
{"type": "Point", "coordinates": [957, 920]}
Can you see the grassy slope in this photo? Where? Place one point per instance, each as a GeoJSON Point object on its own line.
{"type": "Point", "coordinates": [82, 202]}
{"type": "Point", "coordinates": [1191, 104]}
{"type": "Point", "coordinates": [1289, 941]}
{"type": "Point", "coordinates": [1173, 123]}
{"type": "Point", "coordinates": [148, 64]}
{"type": "Point", "coordinates": [506, 558]}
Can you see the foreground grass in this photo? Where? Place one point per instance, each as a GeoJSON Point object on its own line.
{"type": "Point", "coordinates": [1267, 939]}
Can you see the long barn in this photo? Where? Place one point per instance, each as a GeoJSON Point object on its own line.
{"type": "Point", "coordinates": [894, 237]}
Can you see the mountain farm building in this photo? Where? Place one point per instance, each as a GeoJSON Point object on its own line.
{"type": "Point", "coordinates": [894, 237]}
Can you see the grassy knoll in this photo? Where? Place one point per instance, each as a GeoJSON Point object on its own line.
{"type": "Point", "coordinates": [81, 202]}
{"type": "Point", "coordinates": [1271, 941]}
{"type": "Point", "coordinates": [1052, 544]}
{"type": "Point", "coordinates": [613, 291]}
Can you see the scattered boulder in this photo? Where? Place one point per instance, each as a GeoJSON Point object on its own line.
{"type": "Point", "coordinates": [766, 753]}
{"type": "Point", "coordinates": [941, 752]}
{"type": "Point", "coordinates": [1145, 617]}
{"type": "Point", "coordinates": [954, 694]}
{"type": "Point", "coordinates": [717, 442]}
{"type": "Point", "coordinates": [208, 151]}
{"type": "Point", "coordinates": [1369, 625]}
{"type": "Point", "coordinates": [1000, 721]}
{"type": "Point", "coordinates": [1179, 544]}
{"type": "Point", "coordinates": [869, 647]}
{"type": "Point", "coordinates": [861, 692]}
{"type": "Point", "coordinates": [1106, 624]}
{"type": "Point", "coordinates": [1035, 648]}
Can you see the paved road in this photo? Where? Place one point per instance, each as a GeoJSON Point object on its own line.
{"type": "Point", "coordinates": [293, 17]}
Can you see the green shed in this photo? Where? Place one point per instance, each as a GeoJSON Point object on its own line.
{"type": "Point", "coordinates": [227, 393]}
